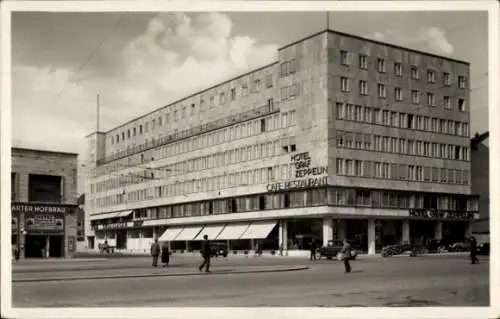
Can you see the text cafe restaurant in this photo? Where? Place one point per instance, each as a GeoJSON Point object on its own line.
{"type": "Point", "coordinates": [44, 230]}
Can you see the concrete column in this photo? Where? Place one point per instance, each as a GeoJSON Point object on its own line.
{"type": "Point", "coordinates": [47, 248]}
{"type": "Point", "coordinates": [438, 230]}
{"type": "Point", "coordinates": [468, 231]}
{"type": "Point", "coordinates": [327, 230]}
{"type": "Point", "coordinates": [283, 234]}
{"type": "Point", "coordinates": [22, 237]}
{"type": "Point", "coordinates": [405, 238]}
{"type": "Point", "coordinates": [341, 229]}
{"type": "Point", "coordinates": [155, 233]}
{"type": "Point", "coordinates": [371, 236]}
{"type": "Point", "coordinates": [252, 244]}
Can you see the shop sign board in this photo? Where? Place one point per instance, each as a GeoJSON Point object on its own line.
{"type": "Point", "coordinates": [41, 208]}
{"type": "Point", "coordinates": [44, 223]}
{"type": "Point", "coordinates": [114, 226]}
{"type": "Point", "coordinates": [305, 175]}
{"type": "Point", "coordinates": [441, 214]}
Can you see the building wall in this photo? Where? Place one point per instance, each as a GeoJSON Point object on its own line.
{"type": "Point", "coordinates": [26, 162]}
{"type": "Point", "coordinates": [305, 91]}
{"type": "Point", "coordinates": [480, 178]}
{"type": "Point", "coordinates": [350, 128]}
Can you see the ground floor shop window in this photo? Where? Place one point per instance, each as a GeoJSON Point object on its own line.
{"type": "Point", "coordinates": [301, 231]}
{"type": "Point", "coordinates": [356, 231]}
{"type": "Point", "coordinates": [421, 231]}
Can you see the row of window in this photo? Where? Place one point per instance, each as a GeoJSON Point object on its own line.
{"type": "Point", "coordinates": [399, 95]}
{"type": "Point", "coordinates": [219, 159]}
{"type": "Point", "coordinates": [378, 143]}
{"type": "Point", "coordinates": [375, 115]}
{"type": "Point", "coordinates": [402, 172]}
{"type": "Point", "coordinates": [160, 189]}
{"type": "Point", "coordinates": [313, 197]}
{"type": "Point", "coordinates": [398, 69]}
{"type": "Point", "coordinates": [188, 110]}
{"type": "Point", "coordinates": [225, 135]}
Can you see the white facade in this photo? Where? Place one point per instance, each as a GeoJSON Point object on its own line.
{"type": "Point", "coordinates": [291, 141]}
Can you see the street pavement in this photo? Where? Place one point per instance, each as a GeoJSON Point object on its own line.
{"type": "Point", "coordinates": [403, 281]}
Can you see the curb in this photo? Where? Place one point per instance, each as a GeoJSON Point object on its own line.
{"type": "Point", "coordinates": [226, 272]}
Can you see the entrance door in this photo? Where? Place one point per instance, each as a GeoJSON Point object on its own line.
{"type": "Point", "coordinates": [121, 239]}
{"type": "Point", "coordinates": [90, 240]}
{"type": "Point", "coordinates": [56, 246]}
{"type": "Point", "coordinates": [34, 245]}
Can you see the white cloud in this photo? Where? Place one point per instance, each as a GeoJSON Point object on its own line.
{"type": "Point", "coordinates": [175, 56]}
{"type": "Point", "coordinates": [426, 38]}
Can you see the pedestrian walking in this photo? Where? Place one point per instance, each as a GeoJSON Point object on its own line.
{"type": "Point", "coordinates": [206, 254]}
{"type": "Point", "coordinates": [346, 255]}
{"type": "Point", "coordinates": [165, 254]}
{"type": "Point", "coordinates": [155, 252]}
{"type": "Point", "coordinates": [473, 251]}
{"type": "Point", "coordinates": [313, 247]}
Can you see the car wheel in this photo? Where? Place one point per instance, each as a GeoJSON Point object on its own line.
{"type": "Point", "coordinates": [329, 258]}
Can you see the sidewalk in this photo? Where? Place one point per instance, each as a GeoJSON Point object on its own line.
{"type": "Point", "coordinates": [156, 272]}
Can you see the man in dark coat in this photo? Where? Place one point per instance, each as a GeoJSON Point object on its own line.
{"type": "Point", "coordinates": [205, 253]}
{"type": "Point", "coordinates": [473, 251]}
{"type": "Point", "coordinates": [313, 247]}
{"type": "Point", "coordinates": [155, 252]}
{"type": "Point", "coordinates": [346, 255]}
{"type": "Point", "coordinates": [165, 254]}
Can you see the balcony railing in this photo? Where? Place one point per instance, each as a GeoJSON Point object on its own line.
{"type": "Point", "coordinates": [205, 128]}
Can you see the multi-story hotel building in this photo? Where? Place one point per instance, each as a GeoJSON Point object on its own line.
{"type": "Point", "coordinates": [341, 137]}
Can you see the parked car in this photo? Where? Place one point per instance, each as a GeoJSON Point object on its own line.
{"type": "Point", "coordinates": [460, 246]}
{"type": "Point", "coordinates": [334, 247]}
{"type": "Point", "coordinates": [398, 249]}
{"type": "Point", "coordinates": [219, 249]}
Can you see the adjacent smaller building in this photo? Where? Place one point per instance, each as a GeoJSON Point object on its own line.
{"type": "Point", "coordinates": [480, 180]}
{"type": "Point", "coordinates": [43, 203]}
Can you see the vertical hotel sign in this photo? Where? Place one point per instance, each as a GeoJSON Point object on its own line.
{"type": "Point", "coordinates": [305, 175]}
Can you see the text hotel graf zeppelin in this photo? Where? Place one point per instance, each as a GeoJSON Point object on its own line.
{"type": "Point", "coordinates": [302, 163]}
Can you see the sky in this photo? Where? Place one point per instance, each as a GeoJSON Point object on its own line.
{"type": "Point", "coordinates": [138, 62]}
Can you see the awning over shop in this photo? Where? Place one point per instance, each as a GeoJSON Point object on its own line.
{"type": "Point", "coordinates": [170, 233]}
{"type": "Point", "coordinates": [105, 216]}
{"type": "Point", "coordinates": [154, 222]}
{"type": "Point", "coordinates": [233, 231]}
{"type": "Point", "coordinates": [125, 213]}
{"type": "Point", "coordinates": [188, 233]}
{"type": "Point", "coordinates": [212, 231]}
{"type": "Point", "coordinates": [259, 229]}
{"type": "Point", "coordinates": [111, 215]}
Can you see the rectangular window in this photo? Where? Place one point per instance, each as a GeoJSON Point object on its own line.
{"type": "Point", "coordinates": [233, 94]}
{"type": "Point", "coordinates": [381, 90]}
{"type": "Point", "coordinates": [446, 79]}
{"type": "Point", "coordinates": [398, 94]}
{"type": "Point", "coordinates": [461, 105]}
{"type": "Point", "coordinates": [415, 97]}
{"type": "Point", "coordinates": [461, 82]}
{"type": "Point", "coordinates": [415, 74]}
{"type": "Point", "coordinates": [363, 62]}
{"type": "Point", "coordinates": [340, 166]}
{"type": "Point", "coordinates": [431, 99]}
{"type": "Point", "coordinates": [431, 76]}
{"type": "Point", "coordinates": [345, 84]}
{"type": "Point", "coordinates": [367, 141]}
{"type": "Point", "coordinates": [363, 87]}
{"type": "Point", "coordinates": [344, 57]}
{"type": "Point", "coordinates": [398, 69]}
{"type": "Point", "coordinates": [394, 119]}
{"type": "Point", "coordinates": [381, 65]}
{"type": "Point", "coordinates": [447, 102]}
{"type": "Point", "coordinates": [340, 111]}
